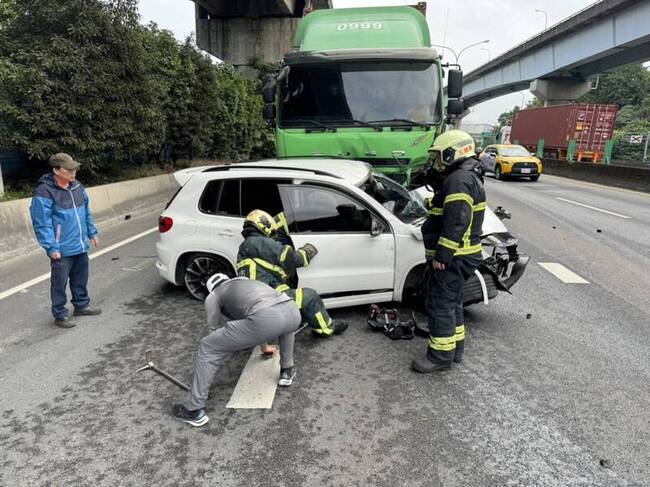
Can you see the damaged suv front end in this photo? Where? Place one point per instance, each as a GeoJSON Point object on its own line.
{"type": "Point", "coordinates": [502, 265]}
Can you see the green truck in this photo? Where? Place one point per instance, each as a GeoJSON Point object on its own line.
{"type": "Point", "coordinates": [364, 84]}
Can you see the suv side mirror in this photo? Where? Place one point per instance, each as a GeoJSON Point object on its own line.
{"type": "Point", "coordinates": [454, 83]}
{"type": "Point", "coordinates": [455, 107]}
{"type": "Point", "coordinates": [268, 92]}
{"type": "Point", "coordinates": [376, 227]}
{"type": "Point", "coordinates": [268, 112]}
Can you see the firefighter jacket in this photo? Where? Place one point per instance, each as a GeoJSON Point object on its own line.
{"type": "Point", "coordinates": [264, 259]}
{"type": "Point", "coordinates": [456, 210]}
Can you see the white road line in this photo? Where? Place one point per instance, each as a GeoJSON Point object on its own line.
{"type": "Point", "coordinates": [592, 207]}
{"type": "Point", "coordinates": [257, 383]}
{"type": "Point", "coordinates": [36, 280]}
{"type": "Point", "coordinates": [562, 273]}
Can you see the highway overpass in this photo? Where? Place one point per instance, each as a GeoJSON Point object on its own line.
{"type": "Point", "coordinates": [557, 64]}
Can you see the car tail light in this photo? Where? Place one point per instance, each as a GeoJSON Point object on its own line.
{"type": "Point", "coordinates": [165, 224]}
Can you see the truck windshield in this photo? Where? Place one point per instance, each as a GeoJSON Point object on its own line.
{"type": "Point", "coordinates": [405, 205]}
{"type": "Point", "coordinates": [385, 94]}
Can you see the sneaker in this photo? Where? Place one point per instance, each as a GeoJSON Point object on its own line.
{"type": "Point", "coordinates": [87, 311]}
{"type": "Point", "coordinates": [66, 322]}
{"type": "Point", "coordinates": [195, 418]}
{"type": "Point", "coordinates": [287, 376]}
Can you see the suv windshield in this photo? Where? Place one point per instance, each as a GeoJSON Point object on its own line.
{"type": "Point", "coordinates": [357, 93]}
{"type": "Point", "coordinates": [405, 205]}
{"type": "Point", "coordinates": [513, 151]}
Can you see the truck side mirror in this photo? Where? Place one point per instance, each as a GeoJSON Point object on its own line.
{"type": "Point", "coordinates": [268, 112]}
{"type": "Point", "coordinates": [455, 107]}
{"type": "Point", "coordinates": [454, 83]}
{"type": "Point", "coordinates": [268, 92]}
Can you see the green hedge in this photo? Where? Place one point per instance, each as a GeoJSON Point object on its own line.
{"type": "Point", "coordinates": [84, 77]}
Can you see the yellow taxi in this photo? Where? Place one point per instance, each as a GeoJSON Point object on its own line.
{"type": "Point", "coordinates": [509, 160]}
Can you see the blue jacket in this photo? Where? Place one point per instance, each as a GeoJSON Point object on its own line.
{"type": "Point", "coordinates": [61, 218]}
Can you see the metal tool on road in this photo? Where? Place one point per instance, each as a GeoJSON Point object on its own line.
{"type": "Point", "coordinates": [159, 371]}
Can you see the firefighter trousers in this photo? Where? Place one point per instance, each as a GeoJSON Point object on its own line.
{"type": "Point", "coordinates": [444, 304]}
{"type": "Point", "coordinates": [312, 309]}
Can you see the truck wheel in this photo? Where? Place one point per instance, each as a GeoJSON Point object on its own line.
{"type": "Point", "coordinates": [497, 172]}
{"type": "Point", "coordinates": [199, 267]}
{"type": "Point", "coordinates": [534, 178]}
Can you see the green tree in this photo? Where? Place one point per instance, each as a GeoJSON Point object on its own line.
{"type": "Point", "coordinates": [627, 85]}
{"type": "Point", "coordinates": [72, 71]}
{"type": "Point", "coordinates": [190, 110]}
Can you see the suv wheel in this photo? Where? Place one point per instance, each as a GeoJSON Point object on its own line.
{"type": "Point", "coordinates": [198, 269]}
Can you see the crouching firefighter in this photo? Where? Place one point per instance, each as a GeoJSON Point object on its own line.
{"type": "Point", "coordinates": [452, 241]}
{"type": "Point", "coordinates": [263, 258]}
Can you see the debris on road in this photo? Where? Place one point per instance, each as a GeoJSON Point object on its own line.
{"type": "Point", "coordinates": [606, 463]}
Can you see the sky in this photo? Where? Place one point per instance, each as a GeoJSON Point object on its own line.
{"type": "Point", "coordinates": [456, 24]}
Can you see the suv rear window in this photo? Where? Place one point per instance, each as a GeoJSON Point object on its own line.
{"type": "Point", "coordinates": [238, 197]}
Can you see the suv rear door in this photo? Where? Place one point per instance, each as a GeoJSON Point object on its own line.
{"type": "Point", "coordinates": [350, 260]}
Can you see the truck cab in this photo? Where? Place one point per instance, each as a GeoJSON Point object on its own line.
{"type": "Point", "coordinates": [363, 84]}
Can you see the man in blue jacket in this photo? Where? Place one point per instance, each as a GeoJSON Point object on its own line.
{"type": "Point", "coordinates": [64, 227]}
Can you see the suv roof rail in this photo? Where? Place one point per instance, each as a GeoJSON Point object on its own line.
{"type": "Point", "coordinates": [227, 167]}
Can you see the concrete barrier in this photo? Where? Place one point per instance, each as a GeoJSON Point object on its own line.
{"type": "Point", "coordinates": [109, 203]}
{"type": "Point", "coordinates": [629, 177]}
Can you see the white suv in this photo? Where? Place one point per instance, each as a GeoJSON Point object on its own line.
{"type": "Point", "coordinates": [366, 228]}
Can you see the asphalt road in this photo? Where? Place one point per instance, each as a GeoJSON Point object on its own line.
{"type": "Point", "coordinates": [554, 389]}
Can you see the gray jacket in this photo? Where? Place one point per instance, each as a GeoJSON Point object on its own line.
{"type": "Point", "coordinates": [239, 298]}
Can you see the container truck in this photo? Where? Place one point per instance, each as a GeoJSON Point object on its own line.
{"type": "Point", "coordinates": [578, 129]}
{"type": "Point", "coordinates": [364, 84]}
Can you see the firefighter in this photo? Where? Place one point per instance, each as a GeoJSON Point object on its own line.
{"type": "Point", "coordinates": [452, 241]}
{"type": "Point", "coordinates": [263, 258]}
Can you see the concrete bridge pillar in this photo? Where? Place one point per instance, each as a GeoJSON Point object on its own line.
{"type": "Point", "coordinates": [558, 91]}
{"type": "Point", "coordinates": [242, 40]}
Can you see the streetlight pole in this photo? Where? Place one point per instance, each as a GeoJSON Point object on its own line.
{"type": "Point", "coordinates": [471, 45]}
{"type": "Point", "coordinates": [457, 56]}
{"type": "Point", "coordinates": [545, 17]}
{"type": "Point", "coordinates": [523, 99]}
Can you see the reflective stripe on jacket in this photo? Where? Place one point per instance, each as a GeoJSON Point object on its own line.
{"type": "Point", "coordinates": [454, 225]}
{"type": "Point", "coordinates": [263, 259]}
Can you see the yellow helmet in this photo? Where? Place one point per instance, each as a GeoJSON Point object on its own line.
{"type": "Point", "coordinates": [261, 220]}
{"type": "Point", "coordinates": [450, 147]}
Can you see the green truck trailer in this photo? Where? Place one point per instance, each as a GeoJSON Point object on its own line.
{"type": "Point", "coordinates": [364, 84]}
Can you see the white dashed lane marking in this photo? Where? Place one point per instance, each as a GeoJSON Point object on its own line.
{"type": "Point", "coordinates": [257, 383]}
{"type": "Point", "coordinates": [36, 280]}
{"type": "Point", "coordinates": [562, 273]}
{"type": "Point", "coordinates": [593, 208]}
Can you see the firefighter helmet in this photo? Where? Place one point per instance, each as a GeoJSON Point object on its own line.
{"type": "Point", "coordinates": [449, 148]}
{"type": "Point", "coordinates": [262, 220]}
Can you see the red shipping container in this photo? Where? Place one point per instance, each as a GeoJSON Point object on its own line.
{"type": "Point", "coordinates": [590, 124]}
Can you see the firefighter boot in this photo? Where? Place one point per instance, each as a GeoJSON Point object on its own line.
{"type": "Point", "coordinates": [339, 326]}
{"type": "Point", "coordinates": [458, 352]}
{"type": "Point", "coordinates": [428, 364]}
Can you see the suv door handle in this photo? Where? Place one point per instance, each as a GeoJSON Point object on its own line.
{"type": "Point", "coordinates": [226, 233]}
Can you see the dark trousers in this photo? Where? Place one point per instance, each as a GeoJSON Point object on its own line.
{"type": "Point", "coordinates": [312, 309]}
{"type": "Point", "coordinates": [74, 268]}
{"type": "Point", "coordinates": [444, 304]}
